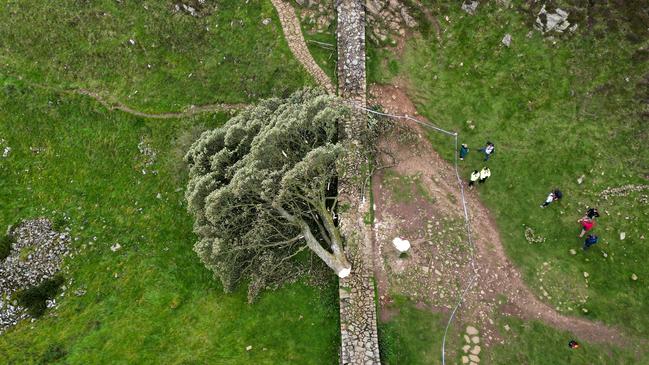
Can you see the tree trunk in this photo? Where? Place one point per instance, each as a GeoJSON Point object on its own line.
{"type": "Point", "coordinates": [337, 260]}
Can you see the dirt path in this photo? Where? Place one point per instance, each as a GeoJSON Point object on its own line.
{"type": "Point", "coordinates": [439, 264]}
{"type": "Point", "coordinates": [112, 105]}
{"type": "Point", "coordinates": [293, 34]}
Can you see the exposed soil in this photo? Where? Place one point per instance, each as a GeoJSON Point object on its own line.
{"type": "Point", "coordinates": [438, 264]}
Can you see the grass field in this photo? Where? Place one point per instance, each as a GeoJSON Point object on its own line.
{"type": "Point", "coordinates": [223, 55]}
{"type": "Point", "coordinates": [556, 109]}
{"type": "Point", "coordinates": [152, 301]}
{"type": "Point", "coordinates": [413, 336]}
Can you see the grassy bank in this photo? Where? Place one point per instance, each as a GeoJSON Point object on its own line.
{"type": "Point", "coordinates": [152, 56]}
{"type": "Point", "coordinates": [556, 109]}
{"type": "Point", "coordinates": [151, 301]}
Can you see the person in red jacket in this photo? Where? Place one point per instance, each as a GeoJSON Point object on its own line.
{"type": "Point", "coordinates": [586, 225]}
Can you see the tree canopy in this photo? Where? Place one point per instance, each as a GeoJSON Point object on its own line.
{"type": "Point", "coordinates": [262, 189]}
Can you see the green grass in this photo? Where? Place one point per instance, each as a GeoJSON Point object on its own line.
{"type": "Point", "coordinates": [556, 110]}
{"type": "Point", "coordinates": [534, 343]}
{"type": "Point", "coordinates": [226, 56]}
{"type": "Point", "coordinates": [406, 188]}
{"type": "Point", "coordinates": [34, 298]}
{"type": "Point", "coordinates": [151, 302]}
{"type": "Point", "coordinates": [412, 336]}
{"type": "Point", "coordinates": [5, 246]}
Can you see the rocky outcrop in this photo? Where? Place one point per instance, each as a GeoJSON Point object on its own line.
{"type": "Point", "coordinates": [35, 256]}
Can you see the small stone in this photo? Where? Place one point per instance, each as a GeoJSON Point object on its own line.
{"type": "Point", "coordinates": [115, 247]}
{"type": "Point", "coordinates": [248, 348]}
{"type": "Point", "coordinates": [584, 310]}
{"type": "Point", "coordinates": [634, 277]}
{"type": "Point", "coordinates": [471, 331]}
{"type": "Point", "coordinates": [572, 251]}
{"type": "Point", "coordinates": [266, 21]}
{"type": "Point", "coordinates": [507, 40]}
{"type": "Point", "coordinates": [507, 328]}
{"type": "Point", "coordinates": [475, 339]}
{"type": "Point", "coordinates": [580, 179]}
{"type": "Point", "coordinates": [470, 7]}
{"type": "Point", "coordinates": [622, 236]}
{"type": "Point", "coordinates": [586, 274]}
{"type": "Point", "coordinates": [132, 42]}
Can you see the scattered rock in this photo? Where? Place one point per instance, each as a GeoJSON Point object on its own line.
{"type": "Point", "coordinates": [467, 339]}
{"type": "Point", "coordinates": [586, 274]}
{"type": "Point", "coordinates": [474, 358]}
{"type": "Point", "coordinates": [507, 328]}
{"type": "Point", "coordinates": [580, 179]}
{"type": "Point", "coordinates": [634, 277]}
{"type": "Point", "coordinates": [471, 331]}
{"type": "Point", "coordinates": [466, 348]}
{"type": "Point", "coordinates": [507, 40]}
{"type": "Point", "coordinates": [47, 250]}
{"type": "Point", "coordinates": [6, 151]}
{"type": "Point", "coordinates": [572, 251]}
{"type": "Point", "coordinates": [557, 21]}
{"type": "Point", "coordinates": [476, 350]}
{"type": "Point", "coordinates": [470, 7]}
{"type": "Point", "coordinates": [475, 339]}
{"type": "Point", "coordinates": [115, 247]}
{"type": "Point", "coordinates": [248, 348]}
{"type": "Point", "coordinates": [465, 359]}
{"type": "Point", "coordinates": [622, 236]}
{"type": "Point", "coordinates": [266, 21]}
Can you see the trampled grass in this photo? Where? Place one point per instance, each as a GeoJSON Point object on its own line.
{"type": "Point", "coordinates": [149, 55]}
{"type": "Point", "coordinates": [556, 109]}
{"type": "Point", "coordinates": [152, 301]}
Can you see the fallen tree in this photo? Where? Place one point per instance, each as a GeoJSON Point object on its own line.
{"type": "Point", "coordinates": [262, 189]}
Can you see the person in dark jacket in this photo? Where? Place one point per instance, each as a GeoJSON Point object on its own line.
{"type": "Point", "coordinates": [464, 150]}
{"type": "Point", "coordinates": [556, 194]}
{"type": "Point", "coordinates": [592, 213]}
{"type": "Point", "coordinates": [488, 150]}
{"type": "Point", "coordinates": [590, 240]}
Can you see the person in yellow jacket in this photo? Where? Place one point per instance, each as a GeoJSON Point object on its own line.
{"type": "Point", "coordinates": [475, 175]}
{"type": "Point", "coordinates": [484, 174]}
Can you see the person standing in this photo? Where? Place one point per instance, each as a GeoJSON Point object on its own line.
{"type": "Point", "coordinates": [464, 150]}
{"type": "Point", "coordinates": [556, 194]}
{"type": "Point", "coordinates": [586, 225]}
{"type": "Point", "coordinates": [485, 173]}
{"type": "Point", "coordinates": [488, 150]}
{"type": "Point", "coordinates": [475, 175]}
{"type": "Point", "coordinates": [592, 213]}
{"type": "Point", "coordinates": [590, 240]}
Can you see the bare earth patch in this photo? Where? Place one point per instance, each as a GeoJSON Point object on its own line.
{"type": "Point", "coordinates": [417, 198]}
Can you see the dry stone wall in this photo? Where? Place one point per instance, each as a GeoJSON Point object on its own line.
{"type": "Point", "coordinates": [359, 338]}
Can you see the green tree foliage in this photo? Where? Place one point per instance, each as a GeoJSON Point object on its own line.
{"type": "Point", "coordinates": [262, 189]}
